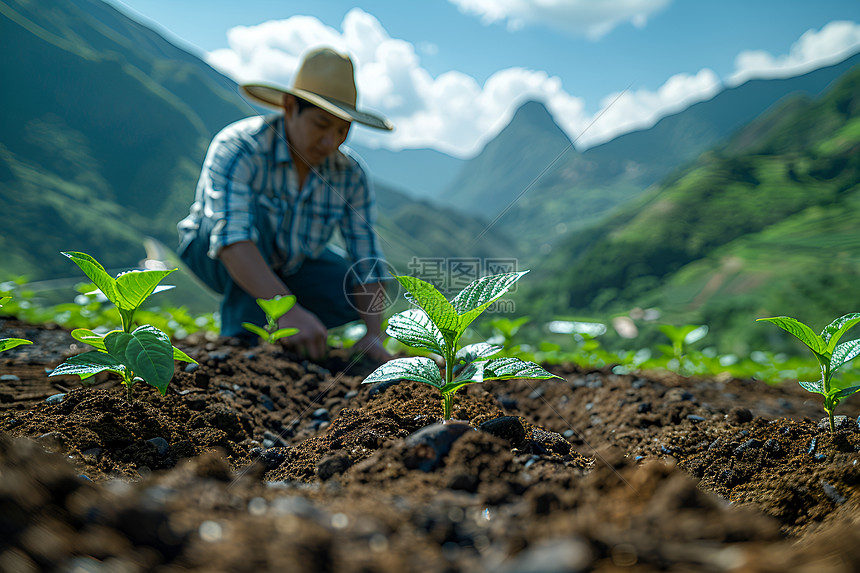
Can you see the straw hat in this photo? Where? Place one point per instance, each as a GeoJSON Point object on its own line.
{"type": "Point", "coordinates": [327, 80]}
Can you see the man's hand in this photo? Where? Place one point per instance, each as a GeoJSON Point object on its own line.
{"type": "Point", "coordinates": [371, 345]}
{"type": "Point", "coordinates": [312, 335]}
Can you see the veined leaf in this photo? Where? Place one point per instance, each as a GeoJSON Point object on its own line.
{"type": "Point", "coordinates": [9, 343]}
{"type": "Point", "coordinates": [133, 287]}
{"type": "Point", "coordinates": [414, 328]}
{"type": "Point", "coordinates": [472, 374]}
{"type": "Point", "coordinates": [477, 351]}
{"type": "Point", "coordinates": [4, 300]}
{"type": "Point", "coordinates": [834, 331]}
{"type": "Point", "coordinates": [477, 296]}
{"type": "Point", "coordinates": [94, 339]}
{"type": "Point", "coordinates": [438, 309]}
{"type": "Point", "coordinates": [96, 273]}
{"type": "Point", "coordinates": [416, 368]}
{"type": "Point", "coordinates": [277, 306]}
{"type": "Point", "coordinates": [507, 368]}
{"type": "Point", "coordinates": [816, 387]}
{"type": "Point", "coordinates": [843, 353]}
{"type": "Point", "coordinates": [147, 352]}
{"type": "Point", "coordinates": [845, 392]}
{"type": "Point", "coordinates": [88, 363]}
{"type": "Point", "coordinates": [800, 331]}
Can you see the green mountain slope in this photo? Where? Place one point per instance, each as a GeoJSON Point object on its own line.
{"type": "Point", "coordinates": [794, 169]}
{"type": "Point", "coordinates": [582, 187]}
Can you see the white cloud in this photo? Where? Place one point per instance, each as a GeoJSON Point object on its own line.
{"type": "Point", "coordinates": [814, 49]}
{"type": "Point", "coordinates": [631, 110]}
{"type": "Point", "coordinates": [590, 18]}
{"type": "Point", "coordinates": [450, 112]}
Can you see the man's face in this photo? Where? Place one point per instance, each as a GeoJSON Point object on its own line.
{"type": "Point", "coordinates": [314, 134]}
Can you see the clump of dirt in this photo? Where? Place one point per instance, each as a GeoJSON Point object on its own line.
{"type": "Point", "coordinates": [259, 460]}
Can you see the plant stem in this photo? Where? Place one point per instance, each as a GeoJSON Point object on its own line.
{"type": "Point", "coordinates": [832, 426]}
{"type": "Point", "coordinates": [447, 405]}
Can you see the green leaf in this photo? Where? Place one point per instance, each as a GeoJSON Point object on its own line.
{"type": "Point", "coordinates": [133, 287]}
{"type": "Point", "coordinates": [147, 352]}
{"type": "Point", "coordinates": [277, 306]}
{"type": "Point", "coordinates": [414, 328]}
{"type": "Point", "coordinates": [416, 368]}
{"type": "Point", "coordinates": [800, 331]}
{"type": "Point", "coordinates": [845, 392]}
{"type": "Point", "coordinates": [9, 343]}
{"type": "Point", "coordinates": [508, 368]}
{"type": "Point", "coordinates": [94, 339]}
{"type": "Point", "coordinates": [4, 300]}
{"type": "Point", "coordinates": [834, 331]}
{"type": "Point", "coordinates": [438, 309]}
{"type": "Point", "coordinates": [89, 363]}
{"type": "Point", "coordinates": [179, 355]}
{"type": "Point", "coordinates": [282, 333]}
{"type": "Point", "coordinates": [258, 330]}
{"type": "Point", "coordinates": [96, 273]}
{"type": "Point", "coordinates": [843, 353]}
{"type": "Point", "coordinates": [816, 387]}
{"type": "Point", "coordinates": [480, 294]}
{"type": "Point", "coordinates": [478, 351]}
{"type": "Point", "coordinates": [472, 374]}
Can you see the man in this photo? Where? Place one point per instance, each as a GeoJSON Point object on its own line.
{"type": "Point", "coordinates": [272, 192]}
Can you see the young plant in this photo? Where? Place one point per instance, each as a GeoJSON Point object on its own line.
{"type": "Point", "coordinates": [437, 325]}
{"type": "Point", "coordinates": [681, 337]}
{"type": "Point", "coordinates": [829, 353]}
{"type": "Point", "coordinates": [274, 308]}
{"type": "Point", "coordinates": [144, 353]}
{"type": "Point", "coordinates": [9, 343]}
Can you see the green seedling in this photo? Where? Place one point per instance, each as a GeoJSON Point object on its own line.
{"type": "Point", "coordinates": [829, 353]}
{"type": "Point", "coordinates": [144, 353]}
{"type": "Point", "coordinates": [9, 343]}
{"type": "Point", "coordinates": [682, 337]}
{"type": "Point", "coordinates": [274, 308]}
{"type": "Point", "coordinates": [437, 325]}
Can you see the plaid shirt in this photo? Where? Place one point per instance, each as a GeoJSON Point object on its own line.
{"type": "Point", "coordinates": [248, 186]}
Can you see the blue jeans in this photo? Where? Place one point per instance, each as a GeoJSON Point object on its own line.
{"type": "Point", "coordinates": [319, 285]}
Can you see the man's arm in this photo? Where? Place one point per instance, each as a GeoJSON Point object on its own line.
{"type": "Point", "coordinates": [251, 272]}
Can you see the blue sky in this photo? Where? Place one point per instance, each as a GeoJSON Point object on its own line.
{"type": "Point", "coordinates": [450, 74]}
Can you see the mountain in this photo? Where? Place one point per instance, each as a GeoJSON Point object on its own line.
{"type": "Point", "coordinates": [762, 225]}
{"type": "Point", "coordinates": [568, 193]}
{"type": "Point", "coordinates": [510, 164]}
{"type": "Point", "coordinates": [105, 125]}
{"type": "Point", "coordinates": [420, 173]}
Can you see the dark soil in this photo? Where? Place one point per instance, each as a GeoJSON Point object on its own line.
{"type": "Point", "coordinates": [256, 460]}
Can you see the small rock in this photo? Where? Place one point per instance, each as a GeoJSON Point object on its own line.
{"type": "Point", "coordinates": [53, 441]}
{"type": "Point", "coordinates": [273, 457]}
{"type": "Point", "coordinates": [739, 415]}
{"type": "Point", "coordinates": [160, 444]}
{"type": "Point", "coordinates": [812, 445]}
{"type": "Point", "coordinates": [537, 393]}
{"type": "Point", "coordinates": [218, 356]}
{"type": "Point", "coordinates": [350, 395]}
{"type": "Point", "coordinates": [191, 367]}
{"type": "Point", "coordinates": [9, 378]}
{"type": "Point", "coordinates": [333, 465]}
{"type": "Point", "coordinates": [750, 444]}
{"type": "Point", "coordinates": [429, 445]}
{"type": "Point", "coordinates": [55, 399]}
{"type": "Point", "coordinates": [694, 418]}
{"type": "Point", "coordinates": [839, 423]}
{"type": "Point", "coordinates": [321, 414]}
{"type": "Point", "coordinates": [506, 427]}
{"type": "Point", "coordinates": [773, 447]}
{"type": "Point", "coordinates": [819, 457]}
{"type": "Point", "coordinates": [644, 407]}
{"type": "Point", "coordinates": [266, 402]}
{"type": "Point", "coordinates": [833, 493]}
